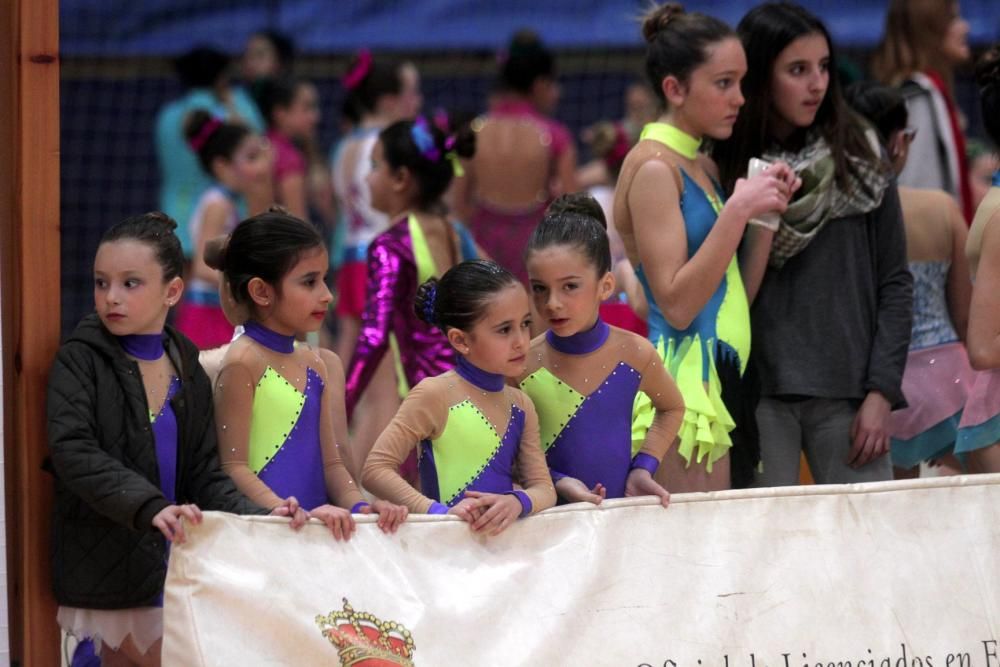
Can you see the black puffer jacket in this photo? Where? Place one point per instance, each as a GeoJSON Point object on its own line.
{"type": "Point", "coordinates": [105, 552]}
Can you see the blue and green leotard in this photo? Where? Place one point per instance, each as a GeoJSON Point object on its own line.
{"type": "Point", "coordinates": [717, 343]}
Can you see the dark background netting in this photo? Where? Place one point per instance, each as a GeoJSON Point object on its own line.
{"type": "Point", "coordinates": [116, 75]}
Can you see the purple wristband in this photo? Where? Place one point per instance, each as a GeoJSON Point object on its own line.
{"type": "Point", "coordinates": [358, 505]}
{"type": "Point", "coordinates": [437, 508]}
{"type": "Point", "coordinates": [522, 498]}
{"type": "Point", "coordinates": [646, 462]}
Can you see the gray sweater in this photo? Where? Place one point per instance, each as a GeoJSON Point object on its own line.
{"type": "Point", "coordinates": [834, 321]}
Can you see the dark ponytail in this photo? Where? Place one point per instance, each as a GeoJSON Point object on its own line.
{"type": "Point", "coordinates": [432, 163]}
{"type": "Point", "coordinates": [458, 300]}
{"type": "Point", "coordinates": [210, 137]}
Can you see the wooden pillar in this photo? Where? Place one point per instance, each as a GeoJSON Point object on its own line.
{"type": "Point", "coordinates": [29, 243]}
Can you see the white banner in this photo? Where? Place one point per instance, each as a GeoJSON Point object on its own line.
{"type": "Point", "coordinates": [876, 575]}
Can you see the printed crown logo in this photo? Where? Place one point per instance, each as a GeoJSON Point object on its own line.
{"type": "Point", "coordinates": [362, 640]}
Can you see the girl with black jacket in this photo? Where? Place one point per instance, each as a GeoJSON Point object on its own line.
{"type": "Point", "coordinates": [132, 446]}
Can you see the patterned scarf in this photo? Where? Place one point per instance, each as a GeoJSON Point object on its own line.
{"type": "Point", "coordinates": [820, 199]}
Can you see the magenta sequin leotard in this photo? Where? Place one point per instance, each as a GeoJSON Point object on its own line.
{"type": "Point", "coordinates": [393, 278]}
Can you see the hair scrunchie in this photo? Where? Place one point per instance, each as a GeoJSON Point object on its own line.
{"type": "Point", "coordinates": [355, 76]}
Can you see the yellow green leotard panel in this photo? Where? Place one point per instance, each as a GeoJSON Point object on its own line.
{"type": "Point", "coordinates": [555, 401]}
{"type": "Point", "coordinates": [463, 450]}
{"type": "Point", "coordinates": [276, 408]}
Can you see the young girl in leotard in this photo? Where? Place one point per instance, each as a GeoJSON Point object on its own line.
{"type": "Point", "coordinates": [684, 241]}
{"type": "Point", "coordinates": [475, 435]}
{"type": "Point", "coordinates": [280, 408]}
{"type": "Point", "coordinates": [524, 158]}
{"type": "Point", "coordinates": [583, 376]}
{"type": "Point", "coordinates": [413, 163]}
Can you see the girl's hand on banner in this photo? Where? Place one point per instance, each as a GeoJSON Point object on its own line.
{"type": "Point", "coordinates": [641, 483]}
{"type": "Point", "coordinates": [168, 521]}
{"type": "Point", "coordinates": [573, 490]}
{"type": "Point", "coordinates": [389, 516]}
{"type": "Point", "coordinates": [290, 507]}
{"type": "Point", "coordinates": [337, 519]}
{"type": "Point", "coordinates": [468, 509]}
{"type": "Point", "coordinates": [500, 511]}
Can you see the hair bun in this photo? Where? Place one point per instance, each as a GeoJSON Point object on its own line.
{"type": "Point", "coordinates": [578, 203]}
{"type": "Point", "coordinates": [163, 219]}
{"type": "Point", "coordinates": [215, 252]}
{"type": "Point", "coordinates": [988, 68]}
{"type": "Point", "coordinates": [425, 303]}
{"type": "Point", "coordinates": [658, 19]}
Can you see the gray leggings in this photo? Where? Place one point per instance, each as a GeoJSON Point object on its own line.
{"type": "Point", "coordinates": [820, 427]}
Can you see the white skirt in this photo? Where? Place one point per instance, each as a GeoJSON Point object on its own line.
{"type": "Point", "coordinates": [112, 626]}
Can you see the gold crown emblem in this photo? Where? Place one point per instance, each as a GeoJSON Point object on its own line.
{"type": "Point", "coordinates": [362, 640]}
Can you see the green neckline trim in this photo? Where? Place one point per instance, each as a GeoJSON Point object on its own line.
{"type": "Point", "coordinates": [672, 138]}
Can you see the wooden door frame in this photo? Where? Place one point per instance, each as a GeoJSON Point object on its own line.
{"type": "Point", "coordinates": [30, 297]}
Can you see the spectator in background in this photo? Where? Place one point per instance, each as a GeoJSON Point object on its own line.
{"type": "Point", "coordinates": [291, 110]}
{"type": "Point", "coordinates": [268, 54]}
{"type": "Point", "coordinates": [609, 142]}
{"type": "Point", "coordinates": [937, 377]}
{"type": "Point", "coordinates": [831, 323]}
{"type": "Point", "coordinates": [238, 162]}
{"type": "Point", "coordinates": [523, 160]}
{"type": "Point", "coordinates": [204, 74]}
{"type": "Point", "coordinates": [979, 432]}
{"type": "Point", "coordinates": [924, 41]}
{"type": "Point", "coordinates": [380, 92]}
{"type": "Point", "coordinates": [606, 139]}
{"type": "Point", "coordinates": [983, 163]}
{"type": "Point", "coordinates": [641, 107]}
